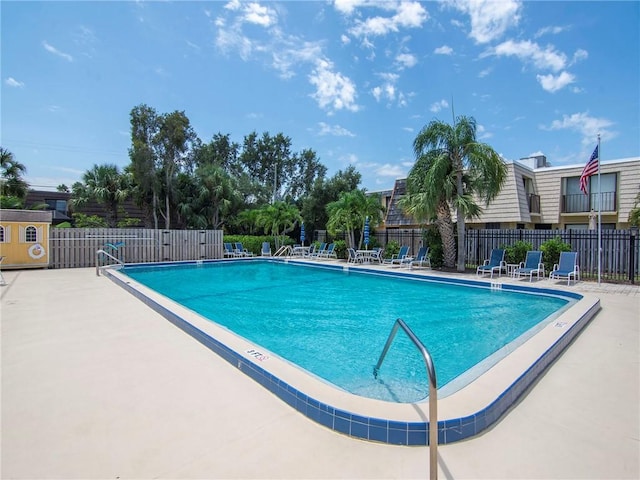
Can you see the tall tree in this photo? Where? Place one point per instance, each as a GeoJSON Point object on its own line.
{"type": "Point", "coordinates": [278, 173]}
{"type": "Point", "coordinates": [457, 168]}
{"type": "Point", "coordinates": [106, 185]}
{"type": "Point", "coordinates": [173, 141]}
{"type": "Point", "coordinates": [278, 219]}
{"type": "Point", "coordinates": [214, 194]}
{"type": "Point", "coordinates": [323, 192]}
{"type": "Point", "coordinates": [348, 214]}
{"type": "Point", "coordinates": [12, 184]}
{"type": "Point", "coordinates": [144, 160]}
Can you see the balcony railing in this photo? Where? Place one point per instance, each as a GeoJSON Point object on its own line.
{"type": "Point", "coordinates": [534, 203]}
{"type": "Point", "coordinates": [579, 203]}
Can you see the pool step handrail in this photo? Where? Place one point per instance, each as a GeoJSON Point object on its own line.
{"type": "Point", "coordinates": [284, 251]}
{"type": "Point", "coordinates": [433, 390]}
{"type": "Point", "coordinates": [106, 254]}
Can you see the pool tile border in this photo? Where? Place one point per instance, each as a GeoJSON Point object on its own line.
{"type": "Point", "coordinates": [372, 428]}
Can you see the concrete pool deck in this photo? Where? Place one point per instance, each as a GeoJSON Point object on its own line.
{"type": "Point", "coordinates": [97, 385]}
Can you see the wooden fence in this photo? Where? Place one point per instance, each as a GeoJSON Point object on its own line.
{"type": "Point", "coordinates": [77, 247]}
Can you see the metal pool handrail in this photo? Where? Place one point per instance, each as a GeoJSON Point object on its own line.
{"type": "Point", "coordinates": [107, 254]}
{"type": "Point", "coordinates": [433, 390]}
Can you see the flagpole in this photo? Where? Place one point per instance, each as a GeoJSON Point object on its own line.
{"type": "Point", "coordinates": [599, 212]}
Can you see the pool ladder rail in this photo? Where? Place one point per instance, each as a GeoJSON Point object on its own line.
{"type": "Point", "coordinates": [433, 390]}
{"type": "Point", "coordinates": [101, 254]}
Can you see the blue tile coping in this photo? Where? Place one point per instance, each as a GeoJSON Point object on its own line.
{"type": "Point", "coordinates": [367, 427]}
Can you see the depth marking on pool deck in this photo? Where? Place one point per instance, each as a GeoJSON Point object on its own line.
{"type": "Point", "coordinates": [261, 357]}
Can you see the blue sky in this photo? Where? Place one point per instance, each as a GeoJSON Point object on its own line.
{"type": "Point", "coordinates": [353, 80]}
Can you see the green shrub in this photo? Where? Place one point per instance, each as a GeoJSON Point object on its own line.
{"type": "Point", "coordinates": [89, 221]}
{"type": "Point", "coordinates": [392, 248]}
{"type": "Point", "coordinates": [432, 239]}
{"type": "Point", "coordinates": [551, 252]}
{"type": "Point", "coordinates": [63, 225]}
{"type": "Point", "coordinates": [517, 252]}
{"type": "Point", "coordinates": [340, 248]}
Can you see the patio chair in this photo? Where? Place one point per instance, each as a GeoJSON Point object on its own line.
{"type": "Point", "coordinates": [531, 266]}
{"type": "Point", "coordinates": [266, 249]}
{"type": "Point", "coordinates": [376, 254]}
{"type": "Point", "coordinates": [566, 267]}
{"type": "Point", "coordinates": [353, 257]}
{"type": "Point", "coordinates": [495, 263]}
{"type": "Point", "coordinates": [328, 252]}
{"type": "Point", "coordinates": [318, 251]}
{"type": "Point", "coordinates": [228, 251]}
{"type": "Point", "coordinates": [400, 258]}
{"type": "Point", "coordinates": [241, 251]}
{"type": "Point", "coordinates": [421, 259]}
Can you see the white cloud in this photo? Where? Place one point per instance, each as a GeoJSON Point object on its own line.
{"type": "Point", "coordinates": [526, 51]}
{"type": "Point", "coordinates": [12, 82]}
{"type": "Point", "coordinates": [482, 132]}
{"type": "Point", "coordinates": [489, 18]}
{"type": "Point", "coordinates": [348, 6]}
{"type": "Point", "coordinates": [51, 49]}
{"type": "Point", "coordinates": [587, 126]}
{"type": "Point", "coordinates": [259, 15]}
{"type": "Point", "coordinates": [389, 170]}
{"type": "Point", "coordinates": [579, 55]}
{"type": "Point", "coordinates": [334, 91]}
{"type": "Point", "coordinates": [554, 30]}
{"type": "Point", "coordinates": [554, 83]}
{"type": "Point", "coordinates": [436, 107]}
{"type": "Point", "coordinates": [335, 130]}
{"type": "Point", "coordinates": [406, 60]}
{"type": "Point", "coordinates": [404, 15]}
{"type": "Point", "coordinates": [485, 72]}
{"type": "Point", "coordinates": [443, 50]}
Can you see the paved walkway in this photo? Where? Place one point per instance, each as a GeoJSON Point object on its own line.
{"type": "Point", "coordinates": [97, 386]}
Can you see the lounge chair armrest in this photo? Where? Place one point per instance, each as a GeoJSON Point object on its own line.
{"type": "Point", "coordinates": [486, 262]}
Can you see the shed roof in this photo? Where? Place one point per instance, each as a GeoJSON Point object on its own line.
{"type": "Point", "coordinates": [39, 216]}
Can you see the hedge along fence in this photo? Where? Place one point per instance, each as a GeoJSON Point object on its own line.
{"type": "Point", "coordinates": [77, 247]}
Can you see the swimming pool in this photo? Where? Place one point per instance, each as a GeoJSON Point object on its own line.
{"type": "Point", "coordinates": [334, 324]}
{"type": "Point", "coordinates": [386, 298]}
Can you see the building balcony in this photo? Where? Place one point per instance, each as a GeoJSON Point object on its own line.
{"type": "Point", "coordinates": [581, 203]}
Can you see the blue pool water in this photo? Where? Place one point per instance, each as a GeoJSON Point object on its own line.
{"type": "Point", "coordinates": [334, 324]}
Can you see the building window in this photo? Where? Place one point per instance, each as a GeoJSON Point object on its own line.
{"type": "Point", "coordinates": [57, 205]}
{"type": "Point", "coordinates": [519, 226]}
{"type": "Point", "coordinates": [492, 226]}
{"type": "Point", "coordinates": [575, 201]}
{"type": "Point", "coordinates": [31, 234]}
{"type": "Point", "coordinates": [542, 226]}
{"type": "Point", "coordinates": [1, 234]}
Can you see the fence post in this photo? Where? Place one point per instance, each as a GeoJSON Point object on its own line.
{"type": "Point", "coordinates": [633, 231]}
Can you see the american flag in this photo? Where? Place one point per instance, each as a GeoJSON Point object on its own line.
{"type": "Point", "coordinates": [589, 169]}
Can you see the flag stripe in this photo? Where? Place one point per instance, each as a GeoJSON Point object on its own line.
{"type": "Point", "coordinates": [589, 169]}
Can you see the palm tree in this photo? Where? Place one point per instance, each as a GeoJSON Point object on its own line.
{"type": "Point", "coordinates": [104, 184]}
{"type": "Point", "coordinates": [216, 192]}
{"type": "Point", "coordinates": [278, 219]}
{"type": "Point", "coordinates": [349, 213]}
{"type": "Point", "coordinates": [453, 169]}
{"type": "Point", "coordinates": [12, 183]}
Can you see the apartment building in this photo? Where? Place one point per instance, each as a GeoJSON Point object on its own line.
{"type": "Point", "coordinates": [539, 196]}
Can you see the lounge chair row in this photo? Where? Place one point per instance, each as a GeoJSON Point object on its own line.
{"type": "Point", "coordinates": [400, 259]}
{"type": "Point", "coordinates": [567, 266]}
{"type": "Point", "coordinates": [236, 250]}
